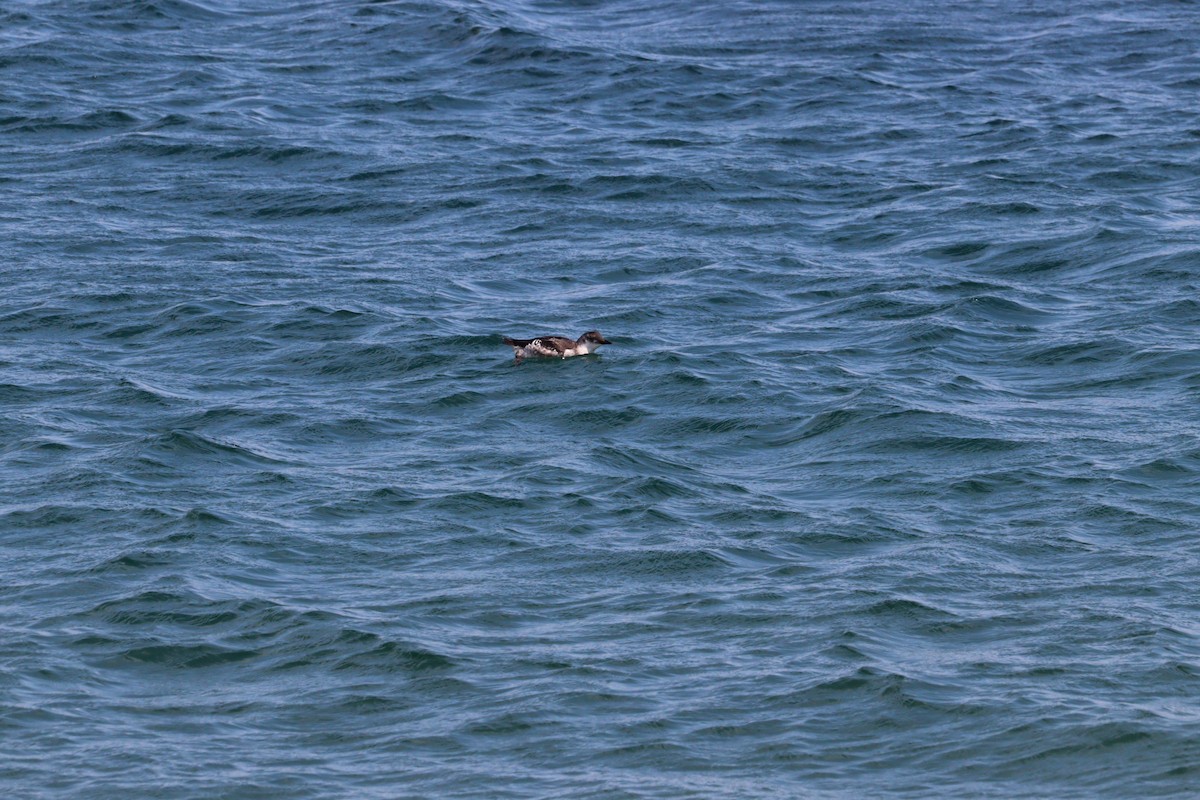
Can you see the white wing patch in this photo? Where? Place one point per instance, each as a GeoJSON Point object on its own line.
{"type": "Point", "coordinates": [536, 348]}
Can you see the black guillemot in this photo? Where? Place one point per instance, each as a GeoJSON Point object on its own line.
{"type": "Point", "coordinates": [555, 346]}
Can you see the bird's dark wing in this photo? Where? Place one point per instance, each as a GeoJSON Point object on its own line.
{"type": "Point", "coordinates": [552, 345]}
{"type": "Point", "coordinates": [543, 345]}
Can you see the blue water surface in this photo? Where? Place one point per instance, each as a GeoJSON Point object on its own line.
{"type": "Point", "coordinates": [888, 486]}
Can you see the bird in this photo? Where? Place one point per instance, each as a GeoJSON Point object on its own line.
{"type": "Point", "coordinates": [555, 346]}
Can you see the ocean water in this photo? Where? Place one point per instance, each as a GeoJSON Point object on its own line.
{"type": "Point", "coordinates": [888, 486]}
